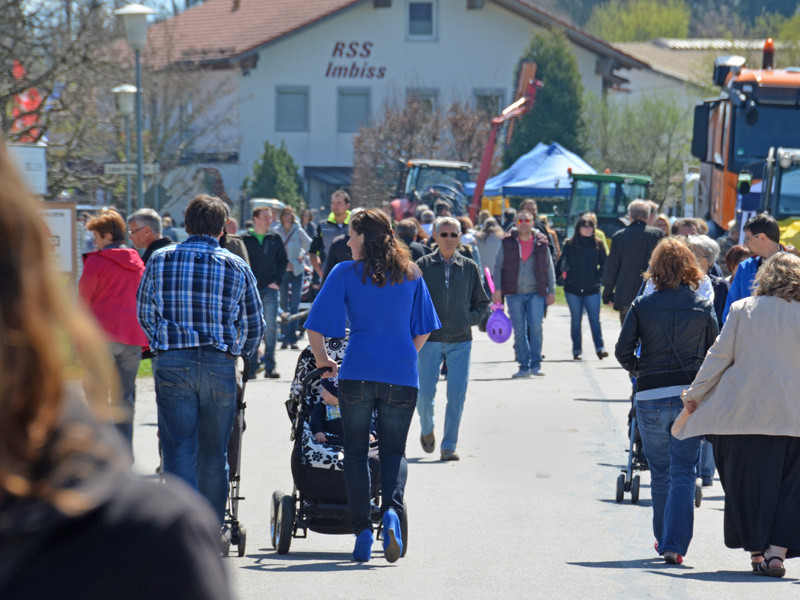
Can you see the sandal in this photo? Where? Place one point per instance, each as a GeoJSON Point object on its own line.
{"type": "Point", "coordinates": [755, 564]}
{"type": "Point", "coordinates": [766, 570]}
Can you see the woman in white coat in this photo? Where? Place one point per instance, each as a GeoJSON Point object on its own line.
{"type": "Point", "coordinates": [745, 400]}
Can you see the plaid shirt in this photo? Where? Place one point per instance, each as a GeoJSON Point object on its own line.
{"type": "Point", "coordinates": [198, 294]}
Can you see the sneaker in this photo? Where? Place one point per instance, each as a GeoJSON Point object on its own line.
{"type": "Point", "coordinates": [428, 442]}
{"type": "Point", "coordinates": [537, 372]}
{"type": "Point", "coordinates": [449, 455]}
{"type": "Point", "coordinates": [576, 356]}
{"type": "Point", "coordinates": [271, 375]}
{"type": "Point", "coordinates": [521, 373]}
{"type": "Point", "coordinates": [294, 347]}
{"type": "Point", "coordinates": [601, 354]}
{"type": "Point", "coordinates": [673, 558]}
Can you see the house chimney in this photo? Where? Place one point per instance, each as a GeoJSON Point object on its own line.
{"type": "Point", "coordinates": [236, 4]}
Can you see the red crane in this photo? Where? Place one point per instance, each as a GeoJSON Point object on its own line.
{"type": "Point", "coordinates": [526, 95]}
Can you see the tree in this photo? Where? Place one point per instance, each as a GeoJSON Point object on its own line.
{"type": "Point", "coordinates": [275, 175]}
{"type": "Point", "coordinates": [649, 136]}
{"type": "Point", "coordinates": [556, 114]}
{"type": "Point", "coordinates": [412, 131]}
{"type": "Point", "coordinates": [640, 20]}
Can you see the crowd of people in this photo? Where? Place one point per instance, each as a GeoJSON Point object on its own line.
{"type": "Point", "coordinates": [199, 299]}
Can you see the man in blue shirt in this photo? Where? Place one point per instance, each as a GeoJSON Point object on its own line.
{"type": "Point", "coordinates": [761, 236]}
{"type": "Point", "coordinates": [200, 308]}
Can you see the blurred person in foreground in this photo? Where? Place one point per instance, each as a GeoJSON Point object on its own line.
{"type": "Point", "coordinates": [75, 523]}
{"type": "Point", "coordinates": [744, 400]}
{"type": "Point", "coordinates": [675, 327]}
{"type": "Point", "coordinates": [391, 314]}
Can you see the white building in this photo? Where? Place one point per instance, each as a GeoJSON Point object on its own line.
{"type": "Point", "coordinates": [309, 73]}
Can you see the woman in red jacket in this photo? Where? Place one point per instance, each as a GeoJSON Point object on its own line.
{"type": "Point", "coordinates": [108, 285]}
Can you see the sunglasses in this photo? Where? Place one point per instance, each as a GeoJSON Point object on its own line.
{"type": "Point", "coordinates": [523, 220]}
{"type": "Point", "coordinates": [444, 234]}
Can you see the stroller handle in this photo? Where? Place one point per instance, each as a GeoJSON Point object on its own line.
{"type": "Point", "coordinates": [311, 376]}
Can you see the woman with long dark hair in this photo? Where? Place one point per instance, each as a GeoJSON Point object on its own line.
{"type": "Point", "coordinates": [383, 296]}
{"type": "Point", "coordinates": [675, 327]}
{"type": "Point", "coordinates": [582, 262]}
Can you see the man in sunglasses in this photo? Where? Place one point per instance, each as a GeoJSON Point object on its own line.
{"type": "Point", "coordinates": [454, 283]}
{"type": "Point", "coordinates": [524, 274]}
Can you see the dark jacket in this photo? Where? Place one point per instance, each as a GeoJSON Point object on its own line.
{"type": "Point", "coordinates": [688, 320]}
{"type": "Point", "coordinates": [318, 421]}
{"type": "Point", "coordinates": [462, 303]}
{"type": "Point", "coordinates": [630, 252]}
{"type": "Point", "coordinates": [235, 245]}
{"type": "Point", "coordinates": [582, 260]}
{"type": "Point", "coordinates": [268, 259]}
{"type": "Point", "coordinates": [162, 242]}
{"type": "Point", "coordinates": [338, 252]}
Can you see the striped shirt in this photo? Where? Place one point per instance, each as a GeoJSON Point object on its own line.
{"type": "Point", "coordinates": [197, 294]}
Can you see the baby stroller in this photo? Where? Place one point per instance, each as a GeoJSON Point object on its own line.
{"type": "Point", "coordinates": [233, 532]}
{"type": "Point", "coordinates": [318, 501]}
{"type": "Point", "coordinates": [627, 481]}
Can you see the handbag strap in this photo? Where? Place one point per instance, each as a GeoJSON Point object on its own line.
{"type": "Point", "coordinates": [672, 344]}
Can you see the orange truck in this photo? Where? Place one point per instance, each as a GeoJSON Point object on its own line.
{"type": "Point", "coordinates": [757, 109]}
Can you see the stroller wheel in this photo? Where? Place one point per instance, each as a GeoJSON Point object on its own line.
{"type": "Point", "coordinates": [698, 494]}
{"type": "Point", "coordinates": [242, 541]}
{"type": "Point", "coordinates": [273, 518]}
{"type": "Point", "coordinates": [620, 487]}
{"type": "Point", "coordinates": [285, 525]}
{"type": "Point", "coordinates": [635, 489]}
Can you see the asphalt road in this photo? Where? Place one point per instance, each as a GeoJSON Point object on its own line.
{"type": "Point", "coordinates": [528, 512]}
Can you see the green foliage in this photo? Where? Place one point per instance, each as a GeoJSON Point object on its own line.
{"type": "Point", "coordinates": [790, 29]}
{"type": "Point", "coordinates": [649, 136]}
{"type": "Point", "coordinates": [556, 114]}
{"type": "Point", "coordinates": [275, 175]}
{"type": "Point", "coordinates": [640, 20]}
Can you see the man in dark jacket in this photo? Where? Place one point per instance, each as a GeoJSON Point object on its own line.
{"type": "Point", "coordinates": [455, 287]}
{"type": "Point", "coordinates": [268, 260]}
{"type": "Point", "coordinates": [630, 252]}
{"type": "Point", "coordinates": [406, 231]}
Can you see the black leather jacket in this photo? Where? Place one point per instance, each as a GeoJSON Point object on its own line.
{"type": "Point", "coordinates": [688, 320]}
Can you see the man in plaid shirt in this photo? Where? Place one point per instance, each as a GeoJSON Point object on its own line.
{"type": "Point", "coordinates": [200, 308]}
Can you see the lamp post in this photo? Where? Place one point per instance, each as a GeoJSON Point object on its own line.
{"type": "Point", "coordinates": [125, 95]}
{"type": "Point", "coordinates": [135, 18]}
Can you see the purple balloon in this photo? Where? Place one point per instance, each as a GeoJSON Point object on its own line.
{"type": "Point", "coordinates": [498, 326]}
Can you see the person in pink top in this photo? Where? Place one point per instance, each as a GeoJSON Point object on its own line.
{"type": "Point", "coordinates": [108, 286]}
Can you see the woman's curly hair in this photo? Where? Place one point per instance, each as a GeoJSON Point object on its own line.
{"type": "Point", "coordinates": [779, 276]}
{"type": "Point", "coordinates": [384, 257]}
{"type": "Point", "coordinates": [673, 264]}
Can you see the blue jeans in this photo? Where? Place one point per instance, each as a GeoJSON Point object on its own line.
{"type": "Point", "coordinates": [526, 312]}
{"type": "Point", "coordinates": [706, 466]}
{"type": "Point", "coordinates": [429, 362]}
{"type": "Point", "coordinates": [126, 359]}
{"type": "Point", "coordinates": [269, 301]}
{"type": "Point", "coordinates": [591, 304]}
{"type": "Point", "coordinates": [672, 473]}
{"type": "Point", "coordinates": [291, 290]}
{"type": "Point", "coordinates": [395, 406]}
{"type": "Point", "coordinates": [196, 398]}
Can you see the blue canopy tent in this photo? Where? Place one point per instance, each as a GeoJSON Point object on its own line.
{"type": "Point", "coordinates": [541, 172]}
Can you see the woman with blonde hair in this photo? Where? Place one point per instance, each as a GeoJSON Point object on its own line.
{"type": "Point", "coordinates": [744, 400]}
{"type": "Point", "coordinates": [675, 327]}
{"type": "Point", "coordinates": [74, 521]}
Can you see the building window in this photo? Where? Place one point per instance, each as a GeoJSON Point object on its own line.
{"type": "Point", "coordinates": [489, 101]}
{"type": "Point", "coordinates": [422, 20]}
{"type": "Point", "coordinates": [352, 109]}
{"type": "Point", "coordinates": [425, 97]}
{"type": "Point", "coordinates": [291, 109]}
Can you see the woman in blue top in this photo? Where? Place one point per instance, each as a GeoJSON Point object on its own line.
{"type": "Point", "coordinates": [391, 314]}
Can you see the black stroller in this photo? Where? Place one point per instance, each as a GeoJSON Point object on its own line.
{"type": "Point", "coordinates": [318, 501]}
{"type": "Point", "coordinates": [233, 532]}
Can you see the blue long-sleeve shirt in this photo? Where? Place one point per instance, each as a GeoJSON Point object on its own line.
{"type": "Point", "coordinates": [742, 284]}
{"type": "Point", "coordinates": [198, 294]}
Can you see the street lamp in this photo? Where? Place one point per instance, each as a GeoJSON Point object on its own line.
{"type": "Point", "coordinates": [135, 18]}
{"type": "Point", "coordinates": [125, 96]}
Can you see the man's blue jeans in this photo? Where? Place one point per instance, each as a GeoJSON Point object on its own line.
{"type": "Point", "coordinates": [395, 405]}
{"type": "Point", "coordinates": [196, 398]}
{"type": "Point", "coordinates": [126, 359]}
{"type": "Point", "coordinates": [429, 362]}
{"type": "Point", "coordinates": [526, 312]}
{"type": "Point", "coordinates": [591, 304]}
{"type": "Point", "coordinates": [673, 466]}
{"type": "Point", "coordinates": [291, 290]}
{"type": "Point", "coordinates": [269, 301]}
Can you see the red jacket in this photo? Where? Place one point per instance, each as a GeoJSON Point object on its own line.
{"type": "Point", "coordinates": [108, 286]}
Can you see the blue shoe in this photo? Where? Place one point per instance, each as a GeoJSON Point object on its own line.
{"type": "Point", "coordinates": [363, 550]}
{"type": "Point", "coordinates": [392, 538]}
